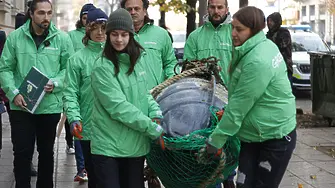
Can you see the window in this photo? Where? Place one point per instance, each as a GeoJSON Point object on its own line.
{"type": "Point", "coordinates": [322, 9]}
{"type": "Point", "coordinates": [312, 10]}
{"type": "Point", "coordinates": [303, 11]}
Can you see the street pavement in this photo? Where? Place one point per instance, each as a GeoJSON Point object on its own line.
{"type": "Point", "coordinates": [308, 168]}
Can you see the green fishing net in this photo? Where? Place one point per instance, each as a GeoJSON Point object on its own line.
{"type": "Point", "coordinates": [179, 165]}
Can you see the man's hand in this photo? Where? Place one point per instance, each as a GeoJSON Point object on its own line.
{"type": "Point", "coordinates": [76, 129]}
{"type": "Point", "coordinates": [19, 101]}
{"type": "Point", "coordinates": [49, 87]}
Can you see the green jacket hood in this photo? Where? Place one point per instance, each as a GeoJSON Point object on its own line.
{"type": "Point", "coordinates": [95, 46]}
{"type": "Point", "coordinates": [226, 21]}
{"type": "Point", "coordinates": [240, 51]}
{"type": "Point", "coordinates": [52, 29]}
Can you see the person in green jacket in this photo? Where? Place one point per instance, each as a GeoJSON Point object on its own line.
{"type": "Point", "coordinates": [124, 113]}
{"type": "Point", "coordinates": [78, 34]}
{"type": "Point", "coordinates": [261, 107]}
{"type": "Point", "coordinates": [160, 60]}
{"type": "Point", "coordinates": [78, 95]}
{"type": "Point", "coordinates": [37, 43]}
{"type": "Point", "coordinates": [213, 38]}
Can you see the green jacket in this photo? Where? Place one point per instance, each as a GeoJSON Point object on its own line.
{"type": "Point", "coordinates": [261, 105]}
{"type": "Point", "coordinates": [121, 119]}
{"type": "Point", "coordinates": [160, 59]}
{"type": "Point", "coordinates": [209, 41]}
{"type": "Point", "coordinates": [77, 38]}
{"type": "Point", "coordinates": [20, 54]}
{"type": "Point", "coordinates": [78, 94]}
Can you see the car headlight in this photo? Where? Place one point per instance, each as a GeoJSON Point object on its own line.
{"type": "Point", "coordinates": [295, 65]}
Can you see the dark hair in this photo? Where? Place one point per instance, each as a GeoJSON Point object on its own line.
{"type": "Point", "coordinates": [19, 20]}
{"type": "Point", "coordinates": [32, 7]}
{"type": "Point", "coordinates": [225, 3]}
{"type": "Point", "coordinates": [252, 18]}
{"type": "Point", "coordinates": [2, 40]}
{"type": "Point", "coordinates": [90, 26]}
{"type": "Point", "coordinates": [79, 24]}
{"type": "Point", "coordinates": [133, 49]}
{"type": "Point", "coordinates": [145, 4]}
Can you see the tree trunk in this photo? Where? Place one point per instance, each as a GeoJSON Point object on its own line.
{"type": "Point", "coordinates": [191, 17]}
{"type": "Point", "coordinates": [243, 3]}
{"type": "Point", "coordinates": [202, 11]}
{"type": "Point", "coordinates": [161, 21]}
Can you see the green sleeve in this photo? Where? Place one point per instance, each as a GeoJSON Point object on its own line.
{"type": "Point", "coordinates": [250, 87]}
{"type": "Point", "coordinates": [190, 48]}
{"type": "Point", "coordinates": [104, 83]}
{"type": "Point", "coordinates": [66, 52]}
{"type": "Point", "coordinates": [154, 109]}
{"type": "Point", "coordinates": [7, 66]}
{"type": "Point", "coordinates": [168, 58]}
{"type": "Point", "coordinates": [71, 91]}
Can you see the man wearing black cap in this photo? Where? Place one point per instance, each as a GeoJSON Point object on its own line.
{"type": "Point", "coordinates": [282, 38]}
{"type": "Point", "coordinates": [78, 34]}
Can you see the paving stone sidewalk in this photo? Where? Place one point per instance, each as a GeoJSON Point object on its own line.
{"type": "Point", "coordinates": [308, 166]}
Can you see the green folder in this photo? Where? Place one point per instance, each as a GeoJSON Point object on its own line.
{"type": "Point", "coordinates": [32, 88]}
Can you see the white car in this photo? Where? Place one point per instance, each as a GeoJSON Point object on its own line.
{"type": "Point", "coordinates": [179, 38]}
{"type": "Point", "coordinates": [302, 42]}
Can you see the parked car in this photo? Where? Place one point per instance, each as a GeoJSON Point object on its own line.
{"type": "Point", "coordinates": [179, 38]}
{"type": "Point", "coordinates": [303, 42]}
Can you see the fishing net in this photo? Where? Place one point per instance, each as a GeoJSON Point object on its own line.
{"type": "Point", "coordinates": [183, 163]}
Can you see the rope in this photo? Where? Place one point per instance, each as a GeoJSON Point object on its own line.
{"type": "Point", "coordinates": [156, 90]}
{"type": "Point", "coordinates": [191, 68]}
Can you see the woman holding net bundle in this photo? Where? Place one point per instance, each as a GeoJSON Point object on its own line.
{"type": "Point", "coordinates": [122, 126]}
{"type": "Point", "coordinates": [261, 106]}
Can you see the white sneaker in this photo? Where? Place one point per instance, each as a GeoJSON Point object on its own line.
{"type": "Point", "coordinates": [70, 150]}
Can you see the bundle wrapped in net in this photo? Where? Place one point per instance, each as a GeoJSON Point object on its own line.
{"type": "Point", "coordinates": [190, 102]}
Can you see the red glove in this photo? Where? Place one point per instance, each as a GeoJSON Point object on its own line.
{"type": "Point", "coordinates": [219, 114]}
{"type": "Point", "coordinates": [160, 139]}
{"type": "Point", "coordinates": [76, 129]}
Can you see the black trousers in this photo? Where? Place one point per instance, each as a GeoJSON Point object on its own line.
{"type": "Point", "coordinates": [25, 127]}
{"type": "Point", "coordinates": [68, 135]}
{"type": "Point", "coordinates": [262, 165]}
{"type": "Point", "coordinates": [86, 149]}
{"type": "Point", "coordinates": [119, 172]}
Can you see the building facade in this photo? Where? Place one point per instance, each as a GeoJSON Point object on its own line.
{"type": "Point", "coordinates": [8, 10]}
{"type": "Point", "coordinates": [314, 13]}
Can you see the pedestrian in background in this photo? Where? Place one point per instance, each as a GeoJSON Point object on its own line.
{"type": "Point", "coordinates": [78, 95]}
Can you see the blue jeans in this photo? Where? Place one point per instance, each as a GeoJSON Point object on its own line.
{"type": "Point", "coordinates": [79, 156]}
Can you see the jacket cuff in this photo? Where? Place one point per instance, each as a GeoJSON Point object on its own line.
{"type": "Point", "coordinates": [156, 114]}
{"type": "Point", "coordinates": [154, 131]}
{"type": "Point", "coordinates": [217, 141]}
{"type": "Point", "coordinates": [58, 86]}
{"type": "Point", "coordinates": [12, 94]}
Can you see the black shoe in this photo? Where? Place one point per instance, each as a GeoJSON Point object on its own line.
{"type": "Point", "coordinates": [33, 171]}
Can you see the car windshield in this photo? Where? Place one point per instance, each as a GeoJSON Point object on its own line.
{"type": "Point", "coordinates": [308, 43]}
{"type": "Point", "coordinates": [179, 37]}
